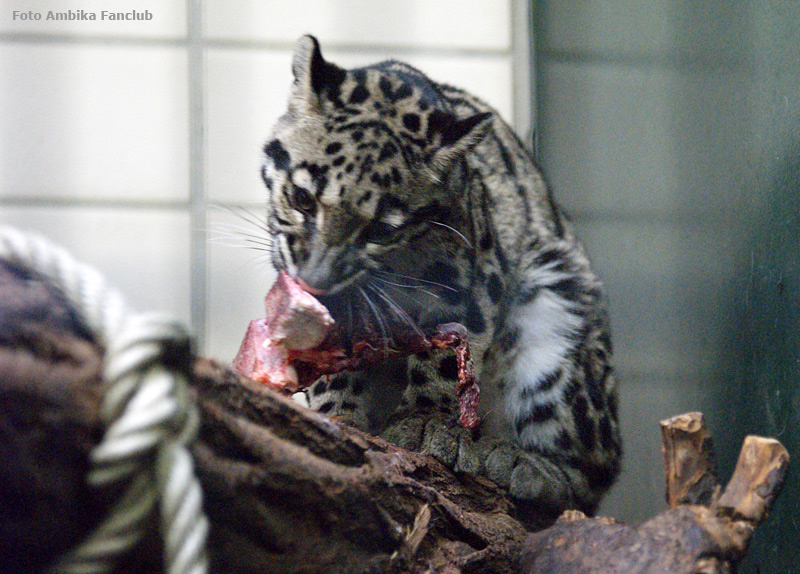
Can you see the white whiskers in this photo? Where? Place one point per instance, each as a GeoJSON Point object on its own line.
{"type": "Point", "coordinates": [454, 230]}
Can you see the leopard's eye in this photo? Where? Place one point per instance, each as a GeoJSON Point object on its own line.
{"type": "Point", "coordinates": [303, 201]}
{"type": "Point", "coordinates": [381, 230]}
{"type": "Point", "coordinates": [378, 232]}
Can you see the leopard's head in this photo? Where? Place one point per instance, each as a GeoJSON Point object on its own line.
{"type": "Point", "coordinates": [357, 169]}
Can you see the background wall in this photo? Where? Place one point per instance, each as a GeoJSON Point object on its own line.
{"type": "Point", "coordinates": [671, 133]}
{"type": "Point", "coordinates": [670, 130]}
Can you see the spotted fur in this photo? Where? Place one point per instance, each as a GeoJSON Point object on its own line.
{"type": "Point", "coordinates": [404, 204]}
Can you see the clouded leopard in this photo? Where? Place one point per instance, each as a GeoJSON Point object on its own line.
{"type": "Point", "coordinates": [403, 203]}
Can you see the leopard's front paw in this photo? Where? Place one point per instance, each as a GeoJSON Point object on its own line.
{"type": "Point", "coordinates": [406, 432]}
{"type": "Point", "coordinates": [443, 438]}
{"type": "Point", "coordinates": [541, 490]}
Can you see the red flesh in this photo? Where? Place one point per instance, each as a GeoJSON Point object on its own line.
{"type": "Point", "coordinates": [265, 357]}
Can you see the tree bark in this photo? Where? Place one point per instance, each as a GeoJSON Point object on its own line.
{"type": "Point", "coordinates": [289, 490]}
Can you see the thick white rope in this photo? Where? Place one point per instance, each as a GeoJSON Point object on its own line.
{"type": "Point", "coordinates": [147, 417]}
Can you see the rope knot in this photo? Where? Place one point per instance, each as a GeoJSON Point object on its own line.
{"type": "Point", "coordinates": [146, 413]}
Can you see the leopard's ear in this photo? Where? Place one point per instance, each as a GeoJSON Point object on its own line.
{"type": "Point", "coordinates": [453, 137]}
{"type": "Point", "coordinates": [313, 76]}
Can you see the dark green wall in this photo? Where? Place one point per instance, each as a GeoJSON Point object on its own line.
{"type": "Point", "coordinates": [671, 133]}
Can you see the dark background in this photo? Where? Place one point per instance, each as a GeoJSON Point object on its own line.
{"type": "Point", "coordinates": [671, 133]}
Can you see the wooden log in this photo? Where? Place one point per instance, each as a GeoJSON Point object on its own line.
{"type": "Point", "coordinates": [689, 465]}
{"type": "Point", "coordinates": [290, 490]}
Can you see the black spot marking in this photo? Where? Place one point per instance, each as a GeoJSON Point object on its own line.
{"type": "Point", "coordinates": [550, 256]}
{"type": "Point", "coordinates": [606, 434]}
{"type": "Point", "coordinates": [366, 166]}
{"type": "Point", "coordinates": [278, 154]}
{"type": "Point", "coordinates": [486, 241]}
{"type": "Point", "coordinates": [423, 355]}
{"type": "Point", "coordinates": [494, 287]}
{"type": "Point", "coordinates": [359, 75]}
{"type": "Point", "coordinates": [599, 476]}
{"type": "Point", "coordinates": [319, 387]}
{"type": "Point", "coordinates": [411, 122]}
{"type": "Point", "coordinates": [424, 402]}
{"type": "Point", "coordinates": [384, 181]}
{"type": "Point", "coordinates": [556, 219]}
{"type": "Point", "coordinates": [389, 202]}
{"type": "Point", "coordinates": [544, 385]}
{"type": "Point", "coordinates": [474, 320]}
{"type": "Point", "coordinates": [386, 87]}
{"type": "Point", "coordinates": [318, 175]}
{"type": "Point", "coordinates": [349, 406]}
{"type": "Point", "coordinates": [349, 167]}
{"type": "Point", "coordinates": [506, 160]}
{"type": "Point", "coordinates": [453, 129]}
{"type": "Point", "coordinates": [333, 148]}
{"type": "Point", "coordinates": [593, 387]}
{"type": "Point", "coordinates": [396, 176]}
{"type": "Point", "coordinates": [537, 415]}
{"type": "Point", "coordinates": [325, 407]}
{"type": "Point", "coordinates": [418, 378]}
{"type": "Point", "coordinates": [567, 288]}
{"type": "Point", "coordinates": [584, 425]}
{"type": "Point", "coordinates": [338, 383]}
{"type": "Point", "coordinates": [387, 151]}
{"type": "Point", "coordinates": [358, 95]}
{"type": "Point", "coordinates": [403, 92]}
{"type": "Point", "coordinates": [571, 392]}
{"type": "Point", "coordinates": [563, 440]}
{"type": "Point", "coordinates": [338, 161]}
{"type": "Point", "coordinates": [549, 381]}
{"type": "Point", "coordinates": [357, 135]}
{"type": "Point", "coordinates": [364, 198]}
{"type": "Point", "coordinates": [357, 387]}
{"type": "Point", "coordinates": [508, 340]}
{"type": "Point", "coordinates": [448, 368]}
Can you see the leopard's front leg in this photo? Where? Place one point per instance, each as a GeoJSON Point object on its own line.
{"type": "Point", "coordinates": [364, 399]}
{"type": "Point", "coordinates": [549, 459]}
